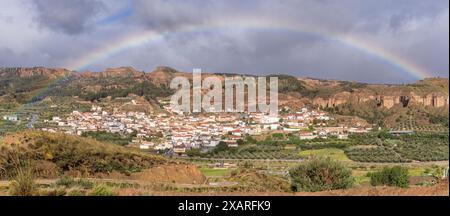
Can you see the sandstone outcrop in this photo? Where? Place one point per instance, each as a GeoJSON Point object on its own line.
{"type": "Point", "coordinates": [34, 71]}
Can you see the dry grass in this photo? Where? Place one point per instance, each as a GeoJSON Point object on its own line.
{"type": "Point", "coordinates": [22, 183]}
{"type": "Point", "coordinates": [59, 153]}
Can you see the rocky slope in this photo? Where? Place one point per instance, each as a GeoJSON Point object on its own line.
{"type": "Point", "coordinates": [49, 73]}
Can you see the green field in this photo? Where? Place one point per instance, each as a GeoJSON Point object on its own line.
{"type": "Point", "coordinates": [333, 153]}
{"type": "Point", "coordinates": [359, 180]}
{"type": "Point", "coordinates": [362, 177]}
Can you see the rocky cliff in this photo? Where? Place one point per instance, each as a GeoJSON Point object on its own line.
{"type": "Point", "coordinates": [34, 71]}
{"type": "Point", "coordinates": [423, 93]}
{"type": "Point", "coordinates": [387, 100]}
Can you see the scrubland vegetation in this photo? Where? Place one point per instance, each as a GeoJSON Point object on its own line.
{"type": "Point", "coordinates": [60, 153]}
{"type": "Point", "coordinates": [391, 176]}
{"type": "Point", "coordinates": [320, 175]}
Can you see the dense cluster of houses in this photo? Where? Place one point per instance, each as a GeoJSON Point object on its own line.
{"type": "Point", "coordinates": [176, 133]}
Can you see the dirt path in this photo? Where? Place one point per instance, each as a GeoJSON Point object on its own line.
{"type": "Point", "coordinates": [138, 182]}
{"type": "Point", "coordinates": [440, 189]}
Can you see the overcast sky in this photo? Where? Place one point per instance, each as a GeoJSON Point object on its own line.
{"type": "Point", "coordinates": [57, 33]}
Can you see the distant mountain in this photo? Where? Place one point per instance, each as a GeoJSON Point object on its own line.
{"type": "Point", "coordinates": [22, 84]}
{"type": "Point", "coordinates": [426, 100]}
{"type": "Point", "coordinates": [50, 73]}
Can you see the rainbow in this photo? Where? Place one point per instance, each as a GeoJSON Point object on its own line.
{"type": "Point", "coordinates": [352, 41]}
{"type": "Point", "coordinates": [148, 37]}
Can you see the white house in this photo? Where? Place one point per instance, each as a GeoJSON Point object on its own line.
{"type": "Point", "coordinates": [269, 119]}
{"type": "Point", "coordinates": [342, 136]}
{"type": "Point", "coordinates": [291, 129]}
{"type": "Point", "coordinates": [231, 143]}
{"type": "Point", "coordinates": [273, 126]}
{"type": "Point", "coordinates": [307, 135]}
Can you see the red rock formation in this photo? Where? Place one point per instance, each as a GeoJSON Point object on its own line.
{"type": "Point", "coordinates": [35, 71]}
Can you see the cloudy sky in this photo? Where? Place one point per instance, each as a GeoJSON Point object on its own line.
{"type": "Point", "coordinates": [388, 41]}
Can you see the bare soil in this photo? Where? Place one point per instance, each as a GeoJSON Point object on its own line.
{"type": "Point", "coordinates": [440, 189]}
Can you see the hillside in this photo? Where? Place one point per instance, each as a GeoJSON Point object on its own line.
{"type": "Point", "coordinates": [55, 155]}
{"type": "Point", "coordinates": [22, 85]}
{"type": "Point", "coordinates": [425, 101]}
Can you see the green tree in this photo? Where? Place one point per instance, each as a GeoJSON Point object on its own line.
{"type": "Point", "coordinates": [222, 146]}
{"type": "Point", "coordinates": [321, 174]}
{"type": "Point", "coordinates": [391, 176]}
{"type": "Point", "coordinates": [194, 153]}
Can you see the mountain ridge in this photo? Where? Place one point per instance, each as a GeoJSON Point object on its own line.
{"type": "Point", "coordinates": [128, 70]}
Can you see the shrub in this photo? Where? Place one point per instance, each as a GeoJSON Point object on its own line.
{"type": "Point", "coordinates": [68, 182]}
{"type": "Point", "coordinates": [22, 183]}
{"type": "Point", "coordinates": [114, 138]}
{"type": "Point", "coordinates": [72, 153]}
{"type": "Point", "coordinates": [194, 153]}
{"type": "Point", "coordinates": [84, 183]}
{"type": "Point", "coordinates": [65, 181]}
{"type": "Point", "coordinates": [102, 190]}
{"type": "Point", "coordinates": [278, 136]}
{"type": "Point", "coordinates": [75, 193]}
{"type": "Point", "coordinates": [321, 174]}
{"type": "Point", "coordinates": [391, 176]}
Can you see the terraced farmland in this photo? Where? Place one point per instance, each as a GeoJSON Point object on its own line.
{"type": "Point", "coordinates": [377, 155]}
{"type": "Point", "coordinates": [413, 126]}
{"type": "Point", "coordinates": [431, 149]}
{"type": "Point", "coordinates": [423, 147]}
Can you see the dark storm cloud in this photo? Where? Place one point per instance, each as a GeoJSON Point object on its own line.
{"type": "Point", "coordinates": [169, 14]}
{"type": "Point", "coordinates": [416, 30]}
{"type": "Point", "coordinates": [342, 15]}
{"type": "Point", "coordinates": [70, 17]}
{"type": "Point", "coordinates": [162, 15]}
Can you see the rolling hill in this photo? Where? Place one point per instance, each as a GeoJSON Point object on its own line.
{"type": "Point", "coordinates": [55, 155]}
